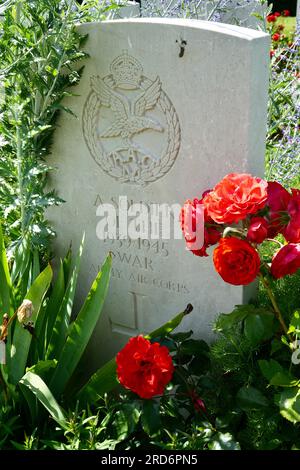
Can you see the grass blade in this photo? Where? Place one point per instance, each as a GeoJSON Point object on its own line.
{"type": "Point", "coordinates": [21, 337]}
{"type": "Point", "coordinates": [5, 281]}
{"type": "Point", "coordinates": [38, 387]}
{"type": "Point", "coordinates": [62, 322]}
{"type": "Point", "coordinates": [81, 329]}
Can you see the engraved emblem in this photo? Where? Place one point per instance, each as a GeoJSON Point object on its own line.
{"type": "Point", "coordinates": [130, 125]}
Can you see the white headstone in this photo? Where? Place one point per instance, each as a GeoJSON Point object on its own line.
{"type": "Point", "coordinates": [196, 116]}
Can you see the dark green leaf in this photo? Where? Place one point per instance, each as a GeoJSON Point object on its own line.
{"type": "Point", "coordinates": [150, 417]}
{"type": "Point", "coordinates": [250, 398]}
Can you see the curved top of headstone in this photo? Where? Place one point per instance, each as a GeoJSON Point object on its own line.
{"type": "Point", "coordinates": [219, 28]}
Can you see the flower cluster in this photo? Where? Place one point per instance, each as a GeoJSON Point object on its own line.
{"type": "Point", "coordinates": [277, 30]}
{"type": "Point", "coordinates": [240, 213]}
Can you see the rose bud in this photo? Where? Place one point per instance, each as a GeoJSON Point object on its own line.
{"type": "Point", "coordinates": [286, 261]}
{"type": "Point", "coordinates": [25, 311]}
{"type": "Point", "coordinates": [258, 230]}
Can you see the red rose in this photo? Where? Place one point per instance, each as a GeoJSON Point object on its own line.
{"type": "Point", "coordinates": [258, 230]}
{"type": "Point", "coordinates": [276, 14]}
{"type": "Point", "coordinates": [236, 261]}
{"type": "Point", "coordinates": [278, 200]}
{"type": "Point", "coordinates": [286, 261]}
{"type": "Point", "coordinates": [271, 18]}
{"type": "Point", "coordinates": [211, 232]}
{"type": "Point", "coordinates": [144, 368]}
{"type": "Point", "coordinates": [286, 13]}
{"type": "Point", "coordinates": [235, 197]}
{"type": "Point", "coordinates": [292, 231]}
{"type": "Point", "coordinates": [276, 37]}
{"type": "Point", "coordinates": [191, 215]}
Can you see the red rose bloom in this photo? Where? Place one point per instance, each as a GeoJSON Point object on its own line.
{"type": "Point", "coordinates": [258, 230]}
{"type": "Point", "coordinates": [286, 13]}
{"type": "Point", "coordinates": [235, 197]}
{"type": "Point", "coordinates": [211, 233]}
{"type": "Point", "coordinates": [286, 261]}
{"type": "Point", "coordinates": [271, 18]}
{"type": "Point", "coordinates": [278, 200]}
{"type": "Point", "coordinates": [292, 231]}
{"type": "Point", "coordinates": [276, 37]}
{"type": "Point", "coordinates": [276, 14]}
{"type": "Point", "coordinates": [190, 214]}
{"type": "Point", "coordinates": [236, 261]}
{"type": "Point", "coordinates": [144, 368]}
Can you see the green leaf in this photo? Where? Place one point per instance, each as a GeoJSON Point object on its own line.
{"type": "Point", "coordinates": [250, 398]}
{"type": "Point", "coordinates": [294, 326]}
{"type": "Point", "coordinates": [22, 259]}
{"type": "Point", "coordinates": [54, 303]}
{"type": "Point", "coordinates": [126, 420]}
{"type": "Point", "coordinates": [179, 337]}
{"type": "Point", "coordinates": [225, 321]}
{"type": "Point", "coordinates": [38, 387]}
{"type": "Point", "coordinates": [259, 327]}
{"type": "Point", "coordinates": [42, 366]}
{"type": "Point", "coordinates": [223, 441]}
{"type": "Point", "coordinates": [193, 347]}
{"type": "Point", "coordinates": [150, 417]}
{"type": "Point", "coordinates": [269, 368]}
{"type": "Point", "coordinates": [82, 329]}
{"type": "Point", "coordinates": [101, 382]}
{"type": "Point", "coordinates": [289, 404]}
{"type": "Point", "coordinates": [62, 321]}
{"type": "Point", "coordinates": [284, 379]}
{"type": "Point", "coordinates": [67, 264]}
{"type": "Point", "coordinates": [22, 338]}
{"type": "Point", "coordinates": [5, 281]}
{"type": "Point", "coordinates": [170, 325]}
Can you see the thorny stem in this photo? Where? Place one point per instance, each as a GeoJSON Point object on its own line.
{"type": "Point", "coordinates": [274, 304]}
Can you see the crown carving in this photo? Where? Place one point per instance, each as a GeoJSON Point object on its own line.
{"type": "Point", "coordinates": [126, 71]}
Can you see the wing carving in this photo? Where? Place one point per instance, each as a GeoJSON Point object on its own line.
{"type": "Point", "coordinates": [148, 99]}
{"type": "Point", "coordinates": [109, 98]}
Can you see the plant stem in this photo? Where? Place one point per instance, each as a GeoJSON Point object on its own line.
{"type": "Point", "coordinates": [274, 304]}
{"type": "Point", "coordinates": [20, 177]}
{"type": "Point", "coordinates": [3, 383]}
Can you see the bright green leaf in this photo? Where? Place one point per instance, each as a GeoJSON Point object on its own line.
{"type": "Point", "coordinates": [38, 387]}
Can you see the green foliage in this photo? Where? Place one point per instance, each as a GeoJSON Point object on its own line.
{"type": "Point", "coordinates": [29, 370]}
{"type": "Point", "coordinates": [39, 46]}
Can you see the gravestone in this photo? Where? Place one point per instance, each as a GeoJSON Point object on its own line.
{"type": "Point", "coordinates": [199, 113]}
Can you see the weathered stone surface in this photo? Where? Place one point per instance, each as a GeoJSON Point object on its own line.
{"type": "Point", "coordinates": [157, 128]}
